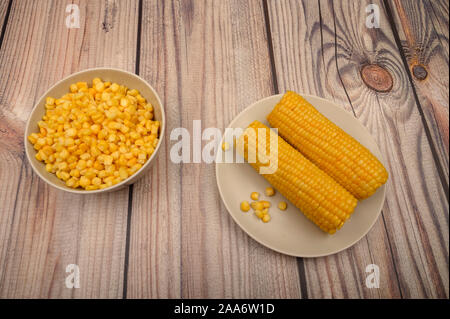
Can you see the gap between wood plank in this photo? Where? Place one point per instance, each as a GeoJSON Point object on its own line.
{"type": "Point", "coordinates": [335, 57]}
{"type": "Point", "coordinates": [300, 262]}
{"type": "Point", "coordinates": [5, 22]}
{"type": "Point", "coordinates": [130, 188]}
{"type": "Point", "coordinates": [439, 168]}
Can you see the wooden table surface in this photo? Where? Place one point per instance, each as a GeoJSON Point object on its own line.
{"type": "Point", "coordinates": [169, 235]}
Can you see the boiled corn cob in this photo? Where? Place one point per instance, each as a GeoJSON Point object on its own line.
{"type": "Point", "coordinates": [328, 146]}
{"type": "Point", "coordinates": [315, 193]}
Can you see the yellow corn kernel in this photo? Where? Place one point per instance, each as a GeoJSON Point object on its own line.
{"type": "Point", "coordinates": [33, 138]}
{"type": "Point", "coordinates": [47, 150]}
{"type": "Point", "coordinates": [64, 175]}
{"type": "Point", "coordinates": [124, 129]}
{"type": "Point", "coordinates": [41, 141]}
{"type": "Point", "coordinates": [71, 158]}
{"type": "Point", "coordinates": [72, 182]}
{"type": "Point", "coordinates": [112, 138]}
{"type": "Point", "coordinates": [133, 169]}
{"type": "Point", "coordinates": [282, 205]}
{"type": "Point", "coordinates": [73, 88]}
{"type": "Point", "coordinates": [266, 218]}
{"type": "Point", "coordinates": [257, 206]}
{"type": "Point", "coordinates": [50, 101]}
{"type": "Point", "coordinates": [89, 163]}
{"type": "Point", "coordinates": [131, 161]}
{"type": "Point", "coordinates": [114, 87]}
{"type": "Point", "coordinates": [259, 213]}
{"type": "Point", "coordinates": [134, 151]}
{"type": "Point", "coordinates": [75, 173]}
{"type": "Point", "coordinates": [128, 155]}
{"type": "Point", "coordinates": [254, 195]}
{"type": "Point", "coordinates": [85, 156]}
{"type": "Point", "coordinates": [142, 157]}
{"type": "Point", "coordinates": [114, 125]}
{"type": "Point", "coordinates": [266, 204]}
{"type": "Point", "coordinates": [49, 168]}
{"type": "Point", "coordinates": [133, 92]}
{"type": "Point", "coordinates": [141, 100]}
{"type": "Point", "coordinates": [135, 135]}
{"type": "Point", "coordinates": [102, 173]}
{"type": "Point", "coordinates": [69, 141]}
{"type": "Point", "coordinates": [122, 161]}
{"type": "Point", "coordinates": [225, 146]}
{"type": "Point", "coordinates": [89, 173]}
{"type": "Point", "coordinates": [124, 102]}
{"type": "Point", "coordinates": [99, 87]}
{"type": "Point", "coordinates": [71, 132]}
{"type": "Point", "coordinates": [63, 154]}
{"type": "Point", "coordinates": [123, 173]}
{"type": "Point", "coordinates": [270, 191]}
{"type": "Point", "coordinates": [81, 165]}
{"type": "Point", "coordinates": [102, 134]}
{"type": "Point", "coordinates": [95, 128]}
{"type": "Point", "coordinates": [115, 155]}
{"type": "Point", "coordinates": [107, 159]}
{"type": "Point", "coordinates": [96, 181]}
{"type": "Point", "coordinates": [82, 85]}
{"type": "Point", "coordinates": [139, 142]}
{"type": "Point", "coordinates": [245, 206]}
{"type": "Point", "coordinates": [95, 151]}
{"type": "Point", "coordinates": [105, 96]}
{"type": "Point", "coordinates": [154, 131]}
{"type": "Point", "coordinates": [98, 166]}
{"type": "Point", "coordinates": [63, 166]}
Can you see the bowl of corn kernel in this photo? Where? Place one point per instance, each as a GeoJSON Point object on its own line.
{"type": "Point", "coordinates": [97, 130]}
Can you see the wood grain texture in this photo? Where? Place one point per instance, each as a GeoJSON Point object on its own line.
{"type": "Point", "coordinates": [303, 59]}
{"type": "Point", "coordinates": [423, 31]}
{"type": "Point", "coordinates": [320, 48]}
{"type": "Point", "coordinates": [43, 229]}
{"type": "Point", "coordinates": [208, 60]}
{"type": "Point", "coordinates": [3, 10]}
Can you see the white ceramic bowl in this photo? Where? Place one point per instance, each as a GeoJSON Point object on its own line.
{"type": "Point", "coordinates": [128, 79]}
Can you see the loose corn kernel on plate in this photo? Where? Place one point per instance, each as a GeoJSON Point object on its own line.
{"type": "Point", "coordinates": [95, 131]}
{"type": "Point", "coordinates": [289, 231]}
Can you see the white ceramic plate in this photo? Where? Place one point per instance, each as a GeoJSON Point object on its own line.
{"type": "Point", "coordinates": [290, 232]}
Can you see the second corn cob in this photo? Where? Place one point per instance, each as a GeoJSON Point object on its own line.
{"type": "Point", "coordinates": [316, 194]}
{"type": "Point", "coordinates": [328, 146]}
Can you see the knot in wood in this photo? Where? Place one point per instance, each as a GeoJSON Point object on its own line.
{"type": "Point", "coordinates": [419, 72]}
{"type": "Point", "coordinates": [377, 78]}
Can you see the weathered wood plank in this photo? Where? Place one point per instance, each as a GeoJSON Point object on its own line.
{"type": "Point", "coordinates": [303, 59]}
{"type": "Point", "coordinates": [208, 60]}
{"type": "Point", "coordinates": [439, 13]}
{"type": "Point", "coordinates": [43, 229]}
{"type": "Point", "coordinates": [321, 51]}
{"type": "Point", "coordinates": [3, 8]}
{"type": "Point", "coordinates": [425, 45]}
